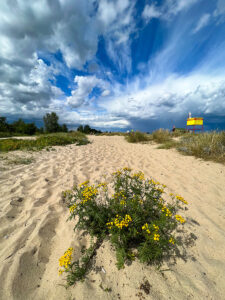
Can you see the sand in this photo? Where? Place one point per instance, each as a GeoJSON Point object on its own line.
{"type": "Point", "coordinates": [34, 232]}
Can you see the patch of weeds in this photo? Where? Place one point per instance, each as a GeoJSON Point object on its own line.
{"type": "Point", "coordinates": [44, 141]}
{"type": "Point", "coordinates": [135, 218]}
{"type": "Point", "coordinates": [168, 145]}
{"type": "Point", "coordinates": [137, 137]}
{"type": "Point", "coordinates": [161, 136]}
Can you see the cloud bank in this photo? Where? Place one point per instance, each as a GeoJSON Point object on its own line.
{"type": "Point", "coordinates": [100, 43]}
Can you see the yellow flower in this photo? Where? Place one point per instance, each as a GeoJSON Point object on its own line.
{"type": "Point", "coordinates": [181, 199]}
{"type": "Point", "coordinates": [127, 169]}
{"type": "Point", "coordinates": [84, 183]}
{"type": "Point", "coordinates": [156, 227]}
{"type": "Point", "coordinates": [72, 208]}
{"type": "Point", "coordinates": [180, 219]}
{"type": "Point", "coordinates": [172, 241]}
{"type": "Point", "coordinates": [61, 271]}
{"type": "Point", "coordinates": [156, 237]}
{"type": "Point", "coordinates": [65, 260]}
{"type": "Point", "coordinates": [139, 175]}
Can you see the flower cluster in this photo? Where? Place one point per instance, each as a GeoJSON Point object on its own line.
{"type": "Point", "coordinates": [156, 227]}
{"type": "Point", "coordinates": [180, 219]}
{"type": "Point", "coordinates": [172, 241]}
{"type": "Point", "coordinates": [156, 237]}
{"type": "Point", "coordinates": [139, 176]}
{"type": "Point", "coordinates": [72, 208]}
{"type": "Point", "coordinates": [181, 199]}
{"type": "Point", "coordinates": [120, 222]}
{"type": "Point", "coordinates": [122, 202]}
{"type": "Point", "coordinates": [88, 193]}
{"type": "Point", "coordinates": [102, 184]}
{"type": "Point", "coordinates": [120, 194]}
{"type": "Point", "coordinates": [117, 173]}
{"type": "Point", "coordinates": [167, 211]}
{"type": "Point", "coordinates": [146, 228]}
{"type": "Point", "coordinates": [151, 181]}
{"type": "Point", "coordinates": [65, 260]}
{"type": "Point", "coordinates": [85, 183]}
{"type": "Point", "coordinates": [127, 169]}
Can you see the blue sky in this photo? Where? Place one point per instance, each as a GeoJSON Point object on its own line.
{"type": "Point", "coordinates": [115, 65]}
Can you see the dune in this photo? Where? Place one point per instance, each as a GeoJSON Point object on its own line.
{"type": "Point", "coordinates": [34, 232]}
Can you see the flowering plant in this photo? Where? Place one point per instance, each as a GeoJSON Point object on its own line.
{"type": "Point", "coordinates": [135, 217]}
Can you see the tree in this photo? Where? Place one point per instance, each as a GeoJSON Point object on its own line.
{"type": "Point", "coordinates": [64, 128]}
{"type": "Point", "coordinates": [19, 126]}
{"type": "Point", "coordinates": [30, 129]}
{"type": "Point", "coordinates": [3, 125]}
{"type": "Point", "coordinates": [80, 128]}
{"type": "Point", "coordinates": [51, 122]}
{"type": "Point", "coordinates": [87, 129]}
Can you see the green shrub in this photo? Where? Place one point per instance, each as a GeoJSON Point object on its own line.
{"type": "Point", "coordinates": [161, 136]}
{"type": "Point", "coordinates": [136, 219]}
{"type": "Point", "coordinates": [208, 145]}
{"type": "Point", "coordinates": [137, 136]}
{"type": "Point", "coordinates": [43, 141]}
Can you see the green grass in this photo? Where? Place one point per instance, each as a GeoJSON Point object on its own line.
{"type": "Point", "coordinates": [208, 145]}
{"type": "Point", "coordinates": [137, 137]}
{"type": "Point", "coordinates": [168, 145]}
{"type": "Point", "coordinates": [55, 139]}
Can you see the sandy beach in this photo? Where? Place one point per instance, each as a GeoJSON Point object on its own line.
{"type": "Point", "coordinates": [34, 232]}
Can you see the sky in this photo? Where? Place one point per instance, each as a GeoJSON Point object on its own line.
{"type": "Point", "coordinates": [113, 64]}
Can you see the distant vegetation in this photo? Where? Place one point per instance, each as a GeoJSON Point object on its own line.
{"type": "Point", "coordinates": [137, 137]}
{"type": "Point", "coordinates": [48, 140]}
{"type": "Point", "coordinates": [20, 128]}
{"type": "Point", "coordinates": [88, 130]}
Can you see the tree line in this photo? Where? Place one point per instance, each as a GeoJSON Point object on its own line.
{"type": "Point", "coordinates": [20, 127]}
{"type": "Point", "coordinates": [51, 125]}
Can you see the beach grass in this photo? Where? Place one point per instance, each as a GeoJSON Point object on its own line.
{"type": "Point", "coordinates": [43, 141]}
{"type": "Point", "coordinates": [137, 137]}
{"type": "Point", "coordinates": [208, 145]}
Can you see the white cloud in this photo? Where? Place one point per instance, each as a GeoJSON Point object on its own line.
{"type": "Point", "coordinates": [105, 93]}
{"type": "Point", "coordinates": [45, 27]}
{"type": "Point", "coordinates": [167, 10]}
{"type": "Point", "coordinates": [85, 85]}
{"type": "Point", "coordinates": [204, 21]}
{"type": "Point", "coordinates": [150, 12]}
{"type": "Point", "coordinates": [176, 96]}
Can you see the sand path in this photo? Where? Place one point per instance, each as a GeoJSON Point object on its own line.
{"type": "Point", "coordinates": [34, 232]}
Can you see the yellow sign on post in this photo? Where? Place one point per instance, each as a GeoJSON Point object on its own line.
{"type": "Point", "coordinates": [194, 121]}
